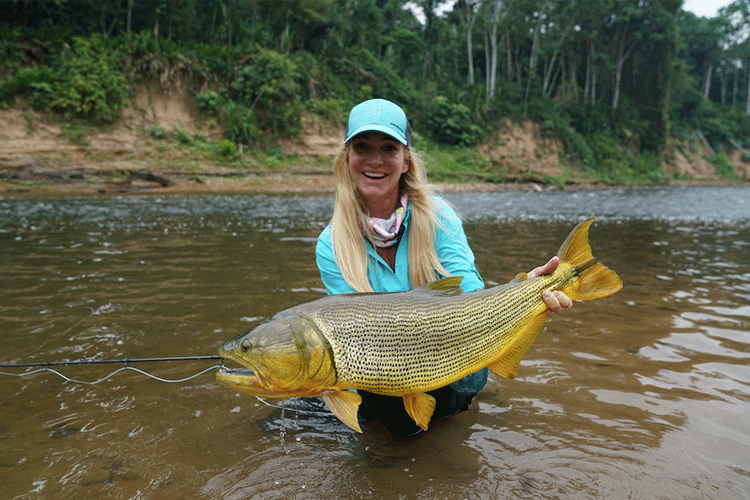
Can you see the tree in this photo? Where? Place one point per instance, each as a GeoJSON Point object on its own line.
{"type": "Point", "coordinates": [469, 10]}
{"type": "Point", "coordinates": [738, 16]}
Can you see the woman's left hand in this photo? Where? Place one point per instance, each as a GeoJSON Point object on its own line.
{"type": "Point", "coordinates": [556, 301]}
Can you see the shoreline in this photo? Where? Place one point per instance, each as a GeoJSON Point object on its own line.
{"type": "Point", "coordinates": [280, 183]}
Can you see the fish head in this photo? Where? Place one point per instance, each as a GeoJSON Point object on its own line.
{"type": "Point", "coordinates": [287, 356]}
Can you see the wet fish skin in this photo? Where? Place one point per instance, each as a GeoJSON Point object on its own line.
{"type": "Point", "coordinates": [407, 343]}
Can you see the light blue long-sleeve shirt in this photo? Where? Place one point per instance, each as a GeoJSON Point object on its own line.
{"type": "Point", "coordinates": [451, 247]}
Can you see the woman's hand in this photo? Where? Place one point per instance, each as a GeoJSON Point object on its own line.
{"type": "Point", "coordinates": [556, 301]}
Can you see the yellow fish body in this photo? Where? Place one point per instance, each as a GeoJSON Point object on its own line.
{"type": "Point", "coordinates": [407, 343]}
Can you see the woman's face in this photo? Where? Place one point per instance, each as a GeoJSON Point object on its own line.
{"type": "Point", "coordinates": [376, 163]}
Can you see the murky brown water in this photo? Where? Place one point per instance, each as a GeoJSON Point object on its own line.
{"type": "Point", "coordinates": [645, 394]}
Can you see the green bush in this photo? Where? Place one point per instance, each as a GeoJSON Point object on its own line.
{"type": "Point", "coordinates": [452, 123]}
{"type": "Point", "coordinates": [89, 82]}
{"type": "Point", "coordinates": [209, 102]}
{"type": "Point", "coordinates": [240, 125]}
{"type": "Point", "coordinates": [27, 81]}
{"type": "Point", "coordinates": [225, 148]}
{"type": "Point", "coordinates": [723, 166]}
{"type": "Point", "coordinates": [270, 86]}
{"type": "Point", "coordinates": [183, 137]}
{"type": "Point", "coordinates": [158, 132]}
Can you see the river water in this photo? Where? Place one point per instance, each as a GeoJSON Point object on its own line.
{"type": "Point", "coordinates": [645, 394]}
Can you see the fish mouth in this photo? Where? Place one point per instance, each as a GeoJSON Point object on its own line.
{"type": "Point", "coordinates": [237, 372]}
{"type": "Point", "coordinates": [241, 379]}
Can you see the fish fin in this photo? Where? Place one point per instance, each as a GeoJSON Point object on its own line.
{"type": "Point", "coordinates": [520, 277]}
{"type": "Point", "coordinates": [507, 364]}
{"type": "Point", "coordinates": [446, 287]}
{"type": "Point", "coordinates": [344, 404]}
{"type": "Point", "coordinates": [420, 407]}
{"type": "Point", "coordinates": [595, 280]}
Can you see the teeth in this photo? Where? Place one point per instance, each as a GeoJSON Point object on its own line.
{"type": "Point", "coordinates": [373, 176]}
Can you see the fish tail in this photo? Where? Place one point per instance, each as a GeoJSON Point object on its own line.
{"type": "Point", "coordinates": [594, 279]}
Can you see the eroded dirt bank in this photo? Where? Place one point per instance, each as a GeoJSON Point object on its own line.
{"type": "Point", "coordinates": [40, 153]}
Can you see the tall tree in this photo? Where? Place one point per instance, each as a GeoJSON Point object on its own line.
{"type": "Point", "coordinates": [738, 16]}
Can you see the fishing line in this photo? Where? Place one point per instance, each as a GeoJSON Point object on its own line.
{"type": "Point", "coordinates": [45, 366]}
{"type": "Point", "coordinates": [295, 409]}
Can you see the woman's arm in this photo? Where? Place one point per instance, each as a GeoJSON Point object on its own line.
{"type": "Point", "coordinates": [330, 273]}
{"type": "Point", "coordinates": [453, 249]}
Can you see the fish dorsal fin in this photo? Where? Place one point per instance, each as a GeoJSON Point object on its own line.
{"type": "Point", "coordinates": [520, 277]}
{"type": "Point", "coordinates": [344, 404]}
{"type": "Point", "coordinates": [420, 407]}
{"type": "Point", "coordinates": [507, 364]}
{"type": "Point", "coordinates": [446, 287]}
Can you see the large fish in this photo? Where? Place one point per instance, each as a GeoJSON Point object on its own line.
{"type": "Point", "coordinates": [406, 343]}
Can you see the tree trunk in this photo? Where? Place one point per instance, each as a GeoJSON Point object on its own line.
{"type": "Point", "coordinates": [621, 57]}
{"type": "Point", "coordinates": [469, 17]}
{"type": "Point", "coordinates": [587, 84]}
{"type": "Point", "coordinates": [130, 16]}
{"type": "Point", "coordinates": [707, 82]}
{"type": "Point", "coordinates": [546, 87]}
{"type": "Point", "coordinates": [534, 54]}
{"type": "Point", "coordinates": [492, 70]}
{"type": "Point", "coordinates": [509, 53]}
{"type": "Point", "coordinates": [487, 63]}
{"type": "Point", "coordinates": [470, 53]}
{"type": "Point", "coordinates": [229, 21]}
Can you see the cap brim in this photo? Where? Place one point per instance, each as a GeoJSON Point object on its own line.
{"type": "Point", "coordinates": [377, 128]}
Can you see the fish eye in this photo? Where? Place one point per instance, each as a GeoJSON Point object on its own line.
{"type": "Point", "coordinates": [246, 345]}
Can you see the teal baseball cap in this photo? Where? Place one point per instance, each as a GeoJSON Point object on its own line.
{"type": "Point", "coordinates": [379, 115]}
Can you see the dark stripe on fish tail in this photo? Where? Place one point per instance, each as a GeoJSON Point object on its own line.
{"type": "Point", "coordinates": [581, 268]}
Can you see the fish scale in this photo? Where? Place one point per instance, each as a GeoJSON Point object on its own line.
{"type": "Point", "coordinates": [385, 349]}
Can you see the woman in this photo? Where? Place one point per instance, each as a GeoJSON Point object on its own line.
{"type": "Point", "coordinates": [390, 234]}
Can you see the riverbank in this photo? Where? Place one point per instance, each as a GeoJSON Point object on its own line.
{"type": "Point", "coordinates": [160, 144]}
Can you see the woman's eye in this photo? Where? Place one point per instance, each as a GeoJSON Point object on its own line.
{"type": "Point", "coordinates": [361, 148]}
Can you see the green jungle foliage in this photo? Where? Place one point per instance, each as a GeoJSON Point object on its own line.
{"type": "Point", "coordinates": [617, 82]}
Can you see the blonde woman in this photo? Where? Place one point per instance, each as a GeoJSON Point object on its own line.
{"type": "Point", "coordinates": [389, 233]}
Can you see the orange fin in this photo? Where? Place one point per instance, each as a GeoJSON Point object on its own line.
{"type": "Point", "coordinates": [344, 404]}
{"type": "Point", "coordinates": [446, 287]}
{"type": "Point", "coordinates": [420, 407]}
{"type": "Point", "coordinates": [507, 364]}
{"type": "Point", "coordinates": [595, 280]}
{"type": "Point", "coordinates": [520, 277]}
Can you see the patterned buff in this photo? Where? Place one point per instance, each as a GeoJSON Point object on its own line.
{"type": "Point", "coordinates": [386, 232]}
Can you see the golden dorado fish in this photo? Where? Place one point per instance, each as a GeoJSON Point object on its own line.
{"type": "Point", "coordinates": [407, 343]}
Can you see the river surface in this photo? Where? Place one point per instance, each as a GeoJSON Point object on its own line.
{"type": "Point", "coordinates": [644, 394]}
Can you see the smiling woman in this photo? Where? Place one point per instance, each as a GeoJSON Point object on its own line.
{"type": "Point", "coordinates": [389, 233]}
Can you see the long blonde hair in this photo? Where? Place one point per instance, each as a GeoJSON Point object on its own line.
{"type": "Point", "coordinates": [347, 238]}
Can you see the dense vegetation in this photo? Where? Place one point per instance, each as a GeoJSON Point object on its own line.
{"type": "Point", "coordinates": [619, 82]}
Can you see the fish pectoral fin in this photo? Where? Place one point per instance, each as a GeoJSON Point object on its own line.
{"type": "Point", "coordinates": [344, 404]}
{"type": "Point", "coordinates": [420, 407]}
{"type": "Point", "coordinates": [507, 364]}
